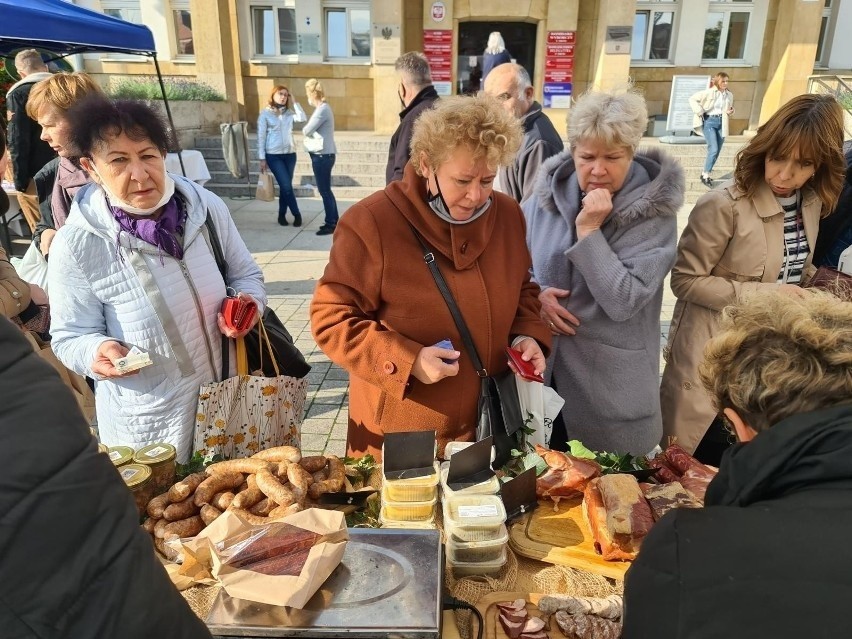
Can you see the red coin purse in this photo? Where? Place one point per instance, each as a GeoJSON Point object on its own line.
{"type": "Point", "coordinates": [239, 312]}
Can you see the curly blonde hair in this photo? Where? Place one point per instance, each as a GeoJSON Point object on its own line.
{"type": "Point", "coordinates": [779, 356]}
{"type": "Point", "coordinates": [616, 119]}
{"type": "Point", "coordinates": [478, 123]}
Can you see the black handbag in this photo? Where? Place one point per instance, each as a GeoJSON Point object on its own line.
{"type": "Point", "coordinates": [499, 410]}
{"type": "Point", "coordinates": [288, 358]}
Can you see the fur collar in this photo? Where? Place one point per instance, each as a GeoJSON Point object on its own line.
{"type": "Point", "coordinates": [662, 196]}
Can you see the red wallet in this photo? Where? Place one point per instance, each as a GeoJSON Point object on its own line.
{"type": "Point", "coordinates": [525, 369]}
{"type": "Point", "coordinates": [239, 312]}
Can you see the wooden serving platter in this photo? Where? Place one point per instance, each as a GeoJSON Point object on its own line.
{"type": "Point", "coordinates": [562, 536]}
{"type": "Point", "coordinates": [487, 607]}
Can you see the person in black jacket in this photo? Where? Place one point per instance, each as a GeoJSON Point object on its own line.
{"type": "Point", "coordinates": [769, 554]}
{"type": "Point", "coordinates": [511, 85]}
{"type": "Point", "coordinates": [27, 150]}
{"type": "Point", "coordinates": [416, 94]}
{"type": "Point", "coordinates": [74, 561]}
{"type": "Point", "coordinates": [835, 230]}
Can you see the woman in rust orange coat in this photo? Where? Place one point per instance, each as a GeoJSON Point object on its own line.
{"type": "Point", "coordinates": [377, 310]}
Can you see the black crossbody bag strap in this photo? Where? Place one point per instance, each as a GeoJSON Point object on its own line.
{"type": "Point", "coordinates": [429, 258]}
{"type": "Point", "coordinates": [219, 256]}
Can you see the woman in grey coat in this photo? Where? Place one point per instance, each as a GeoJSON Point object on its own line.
{"type": "Point", "coordinates": [601, 228]}
{"type": "Point", "coordinates": [322, 161]}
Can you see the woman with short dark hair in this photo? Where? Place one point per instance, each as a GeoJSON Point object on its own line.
{"type": "Point", "coordinates": [133, 268]}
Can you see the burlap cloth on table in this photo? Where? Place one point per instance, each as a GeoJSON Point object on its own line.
{"type": "Point", "coordinates": [521, 574]}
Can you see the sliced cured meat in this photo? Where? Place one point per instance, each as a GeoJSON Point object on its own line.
{"type": "Point", "coordinates": [586, 626]}
{"type": "Point", "coordinates": [664, 497]}
{"type": "Point", "coordinates": [541, 634]}
{"type": "Point", "coordinates": [608, 607]}
{"type": "Point", "coordinates": [618, 515]}
{"type": "Point", "coordinates": [664, 472]}
{"type": "Point", "coordinates": [566, 476]}
{"type": "Point", "coordinates": [696, 480]}
{"type": "Point", "coordinates": [513, 622]}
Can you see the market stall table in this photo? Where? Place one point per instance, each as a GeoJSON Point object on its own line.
{"type": "Point", "coordinates": [193, 162]}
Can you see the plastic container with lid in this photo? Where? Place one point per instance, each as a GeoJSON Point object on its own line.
{"type": "Point", "coordinates": [120, 455]}
{"type": "Point", "coordinates": [138, 478]}
{"type": "Point", "coordinates": [416, 525]}
{"type": "Point", "coordinates": [490, 487]}
{"type": "Point", "coordinates": [464, 569]}
{"type": "Point", "coordinates": [160, 458]}
{"type": "Point", "coordinates": [407, 510]}
{"type": "Point", "coordinates": [477, 511]}
{"type": "Point", "coordinates": [414, 489]}
{"type": "Point", "coordinates": [453, 447]}
{"type": "Point", "coordinates": [487, 551]}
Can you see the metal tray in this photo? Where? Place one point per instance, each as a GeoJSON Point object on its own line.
{"type": "Point", "coordinates": [388, 585]}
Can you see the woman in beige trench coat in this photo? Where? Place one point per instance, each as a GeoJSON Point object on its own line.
{"type": "Point", "coordinates": [755, 232]}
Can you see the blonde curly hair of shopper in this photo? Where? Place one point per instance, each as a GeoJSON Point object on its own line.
{"type": "Point", "coordinates": [478, 123]}
{"type": "Point", "coordinates": [778, 356]}
{"type": "Point", "coordinates": [615, 119]}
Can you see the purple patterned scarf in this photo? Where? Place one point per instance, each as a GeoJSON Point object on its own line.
{"type": "Point", "coordinates": [69, 180]}
{"type": "Point", "coordinates": [160, 232]}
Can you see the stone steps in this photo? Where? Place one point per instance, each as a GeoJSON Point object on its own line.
{"type": "Point", "coordinates": [361, 159]}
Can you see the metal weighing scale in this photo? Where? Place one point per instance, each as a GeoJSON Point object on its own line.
{"type": "Point", "coordinates": [388, 586]}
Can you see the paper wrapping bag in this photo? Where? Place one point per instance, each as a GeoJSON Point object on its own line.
{"type": "Point", "coordinates": [265, 188]}
{"type": "Point", "coordinates": [203, 565]}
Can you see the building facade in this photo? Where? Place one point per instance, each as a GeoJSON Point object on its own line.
{"type": "Point", "coordinates": [244, 48]}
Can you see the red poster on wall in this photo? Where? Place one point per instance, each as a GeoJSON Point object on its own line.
{"type": "Point", "coordinates": [559, 63]}
{"type": "Point", "coordinates": [554, 75]}
{"type": "Point", "coordinates": [438, 49]}
{"type": "Point", "coordinates": [560, 50]}
{"type": "Point", "coordinates": [560, 37]}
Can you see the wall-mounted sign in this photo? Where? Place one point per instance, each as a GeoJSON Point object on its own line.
{"type": "Point", "coordinates": [557, 95]}
{"type": "Point", "coordinates": [439, 11]}
{"type": "Point", "coordinates": [386, 43]}
{"type": "Point", "coordinates": [560, 50]}
{"type": "Point", "coordinates": [618, 40]}
{"type": "Point", "coordinates": [558, 75]}
{"type": "Point", "coordinates": [560, 37]}
{"type": "Point", "coordinates": [438, 49]}
{"type": "Point", "coordinates": [308, 44]}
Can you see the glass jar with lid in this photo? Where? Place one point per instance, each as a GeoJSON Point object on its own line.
{"type": "Point", "coordinates": [160, 458]}
{"type": "Point", "coordinates": [138, 478]}
{"type": "Point", "coordinates": [120, 455]}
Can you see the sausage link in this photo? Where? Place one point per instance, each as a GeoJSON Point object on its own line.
{"type": "Point", "coordinates": [313, 463]}
{"type": "Point", "coordinates": [274, 489]}
{"type": "Point", "coordinates": [157, 505]}
{"type": "Point", "coordinates": [216, 484]}
{"type": "Point", "coordinates": [279, 453]}
{"type": "Point", "coordinates": [238, 466]}
{"type": "Point", "coordinates": [180, 510]}
{"type": "Point", "coordinates": [186, 487]}
{"type": "Point", "coordinates": [209, 514]}
{"type": "Point", "coordinates": [250, 496]}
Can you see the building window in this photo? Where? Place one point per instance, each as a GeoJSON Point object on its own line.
{"type": "Point", "coordinates": [823, 44]}
{"type": "Point", "coordinates": [127, 10]}
{"type": "Point", "coordinates": [726, 30]}
{"type": "Point", "coordinates": [273, 30]}
{"type": "Point", "coordinates": [182, 28]}
{"type": "Point", "coordinates": [652, 32]}
{"type": "Point", "coordinates": [347, 29]}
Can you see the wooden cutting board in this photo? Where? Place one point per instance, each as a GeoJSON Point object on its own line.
{"type": "Point", "coordinates": [562, 537]}
{"type": "Point", "coordinates": [487, 607]}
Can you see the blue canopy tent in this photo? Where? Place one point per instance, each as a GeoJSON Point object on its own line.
{"type": "Point", "coordinates": [66, 29]}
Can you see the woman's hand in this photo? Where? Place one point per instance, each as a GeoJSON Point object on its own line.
{"type": "Point", "coordinates": [429, 366]}
{"type": "Point", "coordinates": [793, 290]}
{"type": "Point", "coordinates": [46, 240]}
{"type": "Point", "coordinates": [263, 166]}
{"type": "Point", "coordinates": [106, 354]}
{"type": "Point", "coordinates": [231, 332]}
{"type": "Point", "coordinates": [597, 205]}
{"type": "Point", "coordinates": [560, 320]}
{"type": "Point", "coordinates": [37, 295]}
{"type": "Point", "coordinates": [530, 352]}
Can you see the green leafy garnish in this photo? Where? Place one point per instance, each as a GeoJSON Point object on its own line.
{"type": "Point", "coordinates": [196, 464]}
{"type": "Point", "coordinates": [610, 462]}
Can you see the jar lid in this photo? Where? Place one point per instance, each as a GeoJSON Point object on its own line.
{"type": "Point", "coordinates": [120, 455]}
{"type": "Point", "coordinates": [135, 475]}
{"type": "Point", "coordinates": [154, 453]}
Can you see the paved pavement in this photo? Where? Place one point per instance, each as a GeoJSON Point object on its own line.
{"type": "Point", "coordinates": [293, 259]}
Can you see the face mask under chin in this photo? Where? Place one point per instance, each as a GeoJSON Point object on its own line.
{"type": "Point", "coordinates": [168, 192]}
{"type": "Point", "coordinates": [439, 205]}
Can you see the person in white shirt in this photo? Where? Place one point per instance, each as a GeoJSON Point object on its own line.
{"type": "Point", "coordinates": [712, 108]}
{"type": "Point", "coordinates": [276, 150]}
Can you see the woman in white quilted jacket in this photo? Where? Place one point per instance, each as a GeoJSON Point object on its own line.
{"type": "Point", "coordinates": [133, 269]}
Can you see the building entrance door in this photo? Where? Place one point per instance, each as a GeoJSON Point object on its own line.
{"type": "Point", "coordinates": [473, 36]}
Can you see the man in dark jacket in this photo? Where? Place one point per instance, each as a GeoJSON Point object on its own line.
{"type": "Point", "coordinates": [769, 554]}
{"type": "Point", "coordinates": [835, 230]}
{"type": "Point", "coordinates": [26, 148]}
{"type": "Point", "coordinates": [416, 94]}
{"type": "Point", "coordinates": [74, 561]}
{"type": "Point", "coordinates": [510, 83]}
